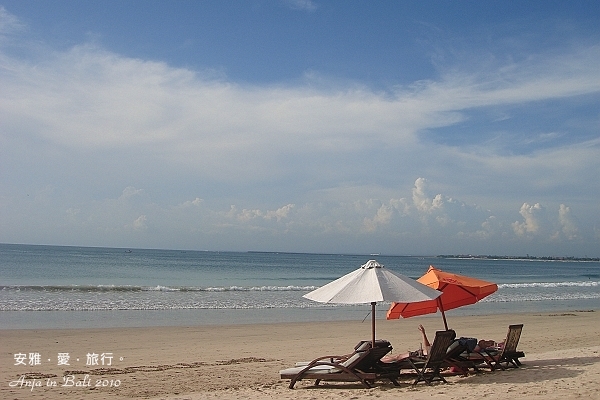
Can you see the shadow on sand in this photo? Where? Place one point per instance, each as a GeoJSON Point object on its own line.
{"type": "Point", "coordinates": [534, 371]}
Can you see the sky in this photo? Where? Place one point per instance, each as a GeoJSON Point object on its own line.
{"type": "Point", "coordinates": [391, 127]}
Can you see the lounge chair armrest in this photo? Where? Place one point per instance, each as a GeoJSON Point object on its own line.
{"type": "Point", "coordinates": [332, 359]}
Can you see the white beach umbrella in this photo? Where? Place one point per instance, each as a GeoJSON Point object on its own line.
{"type": "Point", "coordinates": [372, 283]}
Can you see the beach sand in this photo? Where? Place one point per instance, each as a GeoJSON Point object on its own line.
{"type": "Point", "coordinates": [243, 361]}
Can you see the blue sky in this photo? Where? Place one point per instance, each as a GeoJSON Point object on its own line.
{"type": "Point", "coordinates": [390, 127]}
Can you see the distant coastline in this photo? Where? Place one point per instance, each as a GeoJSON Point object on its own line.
{"type": "Point", "coordinates": [527, 257]}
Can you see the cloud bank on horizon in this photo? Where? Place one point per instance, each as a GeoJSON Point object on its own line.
{"type": "Point", "coordinates": [496, 150]}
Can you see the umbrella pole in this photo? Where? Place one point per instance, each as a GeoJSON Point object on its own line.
{"type": "Point", "coordinates": [442, 311]}
{"type": "Point", "coordinates": [373, 324]}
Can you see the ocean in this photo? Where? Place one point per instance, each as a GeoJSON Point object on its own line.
{"type": "Point", "coordinates": [79, 287]}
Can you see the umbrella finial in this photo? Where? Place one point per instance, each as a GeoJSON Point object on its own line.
{"type": "Point", "coordinates": [371, 264]}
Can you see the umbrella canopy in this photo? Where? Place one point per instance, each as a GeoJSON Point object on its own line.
{"type": "Point", "coordinates": [457, 291]}
{"type": "Point", "coordinates": [372, 283]}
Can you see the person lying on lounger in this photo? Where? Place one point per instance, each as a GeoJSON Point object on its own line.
{"type": "Point", "coordinates": [423, 351]}
{"type": "Point", "coordinates": [426, 346]}
{"type": "Point", "coordinates": [488, 344]}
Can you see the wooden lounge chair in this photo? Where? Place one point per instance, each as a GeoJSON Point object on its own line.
{"type": "Point", "coordinates": [429, 369]}
{"type": "Point", "coordinates": [457, 356]}
{"type": "Point", "coordinates": [507, 356]}
{"type": "Point", "coordinates": [362, 366]}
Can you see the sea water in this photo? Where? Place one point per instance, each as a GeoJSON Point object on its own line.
{"type": "Point", "coordinates": [72, 287]}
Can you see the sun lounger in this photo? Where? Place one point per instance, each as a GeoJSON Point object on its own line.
{"type": "Point", "coordinates": [363, 365]}
{"type": "Point", "coordinates": [507, 356]}
{"type": "Point", "coordinates": [429, 370]}
{"type": "Point", "coordinates": [457, 357]}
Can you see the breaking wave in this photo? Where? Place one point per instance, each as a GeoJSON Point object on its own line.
{"type": "Point", "coordinates": [159, 288]}
{"type": "Point", "coordinates": [126, 297]}
{"type": "Point", "coordinates": [549, 284]}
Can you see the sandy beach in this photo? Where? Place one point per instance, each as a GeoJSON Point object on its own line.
{"type": "Point", "coordinates": [242, 361]}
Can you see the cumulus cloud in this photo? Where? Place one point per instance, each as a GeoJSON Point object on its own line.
{"type": "Point", "coordinates": [420, 199]}
{"type": "Point", "coordinates": [538, 222]}
{"type": "Point", "coordinates": [247, 215]}
{"type": "Point", "coordinates": [192, 203]}
{"type": "Point", "coordinates": [130, 191]}
{"type": "Point", "coordinates": [280, 213]}
{"type": "Point", "coordinates": [397, 216]}
{"type": "Point", "coordinates": [568, 225]}
{"type": "Point", "coordinates": [399, 220]}
{"type": "Point", "coordinates": [139, 223]}
{"type": "Point", "coordinates": [382, 217]}
{"type": "Point", "coordinates": [533, 216]}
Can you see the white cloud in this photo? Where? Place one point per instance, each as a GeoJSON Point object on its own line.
{"type": "Point", "coordinates": [382, 217]}
{"type": "Point", "coordinates": [140, 223]}
{"type": "Point", "coordinates": [419, 198]}
{"type": "Point", "coordinates": [129, 192]}
{"type": "Point", "coordinates": [306, 5]}
{"type": "Point", "coordinates": [280, 213]}
{"type": "Point", "coordinates": [192, 203]}
{"type": "Point", "coordinates": [89, 99]}
{"type": "Point", "coordinates": [9, 23]}
{"type": "Point", "coordinates": [540, 223]}
{"type": "Point", "coordinates": [532, 215]}
{"type": "Point", "coordinates": [568, 226]}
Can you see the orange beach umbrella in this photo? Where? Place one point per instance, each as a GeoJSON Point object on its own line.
{"type": "Point", "coordinates": [457, 291]}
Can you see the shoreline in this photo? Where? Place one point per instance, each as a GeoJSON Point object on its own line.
{"type": "Point", "coordinates": [243, 360]}
{"type": "Point", "coordinates": [77, 319]}
{"type": "Point", "coordinates": [220, 325]}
